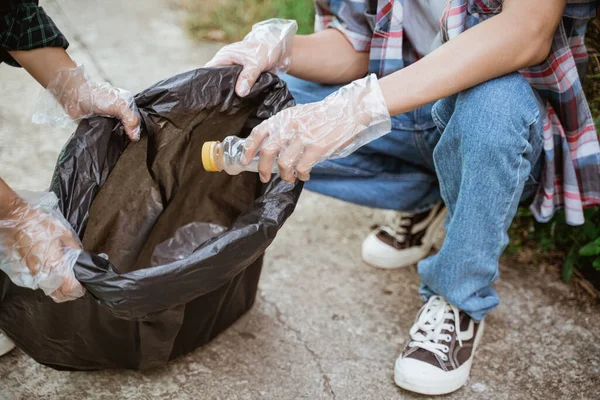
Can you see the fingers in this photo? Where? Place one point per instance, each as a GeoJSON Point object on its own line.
{"type": "Point", "coordinates": [246, 80]}
{"type": "Point", "coordinates": [130, 121]}
{"type": "Point", "coordinates": [225, 56]}
{"type": "Point", "coordinates": [273, 148]}
{"type": "Point", "coordinates": [289, 158]}
{"type": "Point", "coordinates": [33, 241]}
{"type": "Point", "coordinates": [42, 251]}
{"type": "Point", "coordinates": [295, 161]}
{"type": "Point", "coordinates": [247, 77]}
{"type": "Point", "coordinates": [71, 289]}
{"type": "Point", "coordinates": [311, 156]}
{"type": "Point", "coordinates": [249, 56]}
{"type": "Point", "coordinates": [118, 103]}
{"type": "Point", "coordinates": [254, 142]}
{"type": "Point", "coordinates": [280, 138]}
{"type": "Point", "coordinates": [268, 155]}
{"type": "Point", "coordinates": [29, 251]}
{"type": "Point", "coordinates": [68, 239]}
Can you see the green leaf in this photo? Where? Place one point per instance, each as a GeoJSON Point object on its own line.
{"type": "Point", "coordinates": [596, 263]}
{"type": "Point", "coordinates": [590, 230]}
{"type": "Point", "coordinates": [591, 249]}
{"type": "Point", "coordinates": [568, 265]}
{"type": "Point", "coordinates": [546, 244]}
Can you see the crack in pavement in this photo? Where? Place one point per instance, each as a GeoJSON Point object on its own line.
{"type": "Point", "coordinates": [278, 315]}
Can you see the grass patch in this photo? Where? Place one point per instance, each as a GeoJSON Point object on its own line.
{"type": "Point", "coordinates": [231, 20]}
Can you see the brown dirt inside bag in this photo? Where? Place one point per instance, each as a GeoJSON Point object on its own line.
{"type": "Point", "coordinates": [138, 208]}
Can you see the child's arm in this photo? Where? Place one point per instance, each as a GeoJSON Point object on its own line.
{"type": "Point", "coordinates": [79, 96]}
{"type": "Point", "coordinates": [43, 63]}
{"type": "Point", "coordinates": [30, 39]}
{"type": "Point", "coordinates": [37, 250]}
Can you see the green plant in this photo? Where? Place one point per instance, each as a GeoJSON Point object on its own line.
{"type": "Point", "coordinates": [553, 240]}
{"type": "Point", "coordinates": [573, 247]}
{"type": "Point", "coordinates": [589, 254]}
{"type": "Point", "coordinates": [592, 249]}
{"type": "Point", "coordinates": [231, 20]}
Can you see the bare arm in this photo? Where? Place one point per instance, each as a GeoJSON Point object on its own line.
{"type": "Point", "coordinates": [79, 96]}
{"type": "Point", "coordinates": [519, 37]}
{"type": "Point", "coordinates": [272, 45]}
{"type": "Point", "coordinates": [43, 63]}
{"type": "Point", "coordinates": [327, 57]}
{"type": "Point", "coordinates": [7, 197]}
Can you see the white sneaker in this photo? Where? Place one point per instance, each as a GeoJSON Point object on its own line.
{"type": "Point", "coordinates": [408, 242]}
{"type": "Point", "coordinates": [6, 345]}
{"type": "Point", "coordinates": [438, 358]}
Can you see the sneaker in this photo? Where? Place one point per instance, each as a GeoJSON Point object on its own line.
{"type": "Point", "coordinates": [6, 345]}
{"type": "Point", "coordinates": [438, 358]}
{"type": "Point", "coordinates": [411, 240]}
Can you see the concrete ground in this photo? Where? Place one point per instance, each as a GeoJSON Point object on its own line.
{"type": "Point", "coordinates": [325, 325]}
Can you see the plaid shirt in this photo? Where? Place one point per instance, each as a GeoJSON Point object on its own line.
{"type": "Point", "coordinates": [25, 26]}
{"type": "Point", "coordinates": [571, 175]}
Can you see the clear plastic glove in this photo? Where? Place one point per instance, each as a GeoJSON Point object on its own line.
{"type": "Point", "coordinates": [38, 249]}
{"type": "Point", "coordinates": [72, 95]}
{"type": "Point", "coordinates": [302, 136]}
{"type": "Point", "coordinates": [268, 47]}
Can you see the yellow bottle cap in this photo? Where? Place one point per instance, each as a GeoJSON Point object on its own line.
{"type": "Point", "coordinates": [208, 156]}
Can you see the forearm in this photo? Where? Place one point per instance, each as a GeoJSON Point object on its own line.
{"type": "Point", "coordinates": [501, 45]}
{"type": "Point", "coordinates": [7, 198]}
{"type": "Point", "coordinates": [327, 57]}
{"type": "Point", "coordinates": [43, 63]}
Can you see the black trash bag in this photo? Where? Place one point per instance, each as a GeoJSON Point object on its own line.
{"type": "Point", "coordinates": [184, 246]}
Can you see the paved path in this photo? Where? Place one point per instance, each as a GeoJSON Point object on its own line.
{"type": "Point", "coordinates": [325, 325]}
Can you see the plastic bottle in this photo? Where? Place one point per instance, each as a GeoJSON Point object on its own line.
{"type": "Point", "coordinates": [227, 155]}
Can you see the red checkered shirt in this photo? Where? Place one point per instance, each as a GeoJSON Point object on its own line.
{"type": "Point", "coordinates": [571, 174]}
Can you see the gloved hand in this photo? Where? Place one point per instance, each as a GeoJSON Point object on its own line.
{"type": "Point", "coordinates": [38, 250]}
{"type": "Point", "coordinates": [80, 97]}
{"type": "Point", "coordinates": [302, 136]}
{"type": "Point", "coordinates": [268, 47]}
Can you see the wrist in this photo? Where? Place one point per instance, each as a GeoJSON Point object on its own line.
{"type": "Point", "coordinates": [9, 204]}
{"type": "Point", "coordinates": [368, 100]}
{"type": "Point", "coordinates": [287, 46]}
{"type": "Point", "coordinates": [67, 85]}
{"type": "Point", "coordinates": [44, 63]}
{"type": "Point", "coordinates": [397, 96]}
{"type": "Point", "coordinates": [278, 36]}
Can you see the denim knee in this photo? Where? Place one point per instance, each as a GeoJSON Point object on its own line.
{"type": "Point", "coordinates": [494, 115]}
{"type": "Point", "coordinates": [507, 99]}
{"type": "Point", "coordinates": [442, 111]}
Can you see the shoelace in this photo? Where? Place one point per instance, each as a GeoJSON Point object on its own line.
{"type": "Point", "coordinates": [401, 227]}
{"type": "Point", "coordinates": [427, 333]}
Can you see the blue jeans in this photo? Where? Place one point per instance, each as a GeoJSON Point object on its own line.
{"type": "Point", "coordinates": [478, 150]}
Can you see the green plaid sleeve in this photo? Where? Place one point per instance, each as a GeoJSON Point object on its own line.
{"type": "Point", "coordinates": [26, 26]}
